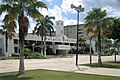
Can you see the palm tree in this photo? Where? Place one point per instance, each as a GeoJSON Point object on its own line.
{"type": "Point", "coordinates": [8, 29]}
{"type": "Point", "coordinates": [115, 29]}
{"type": "Point", "coordinates": [20, 8]}
{"type": "Point", "coordinates": [91, 34]}
{"type": "Point", "coordinates": [43, 28]}
{"type": "Point", "coordinates": [96, 20]}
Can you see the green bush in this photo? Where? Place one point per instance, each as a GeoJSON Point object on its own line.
{"type": "Point", "coordinates": [3, 58]}
{"type": "Point", "coordinates": [107, 54]}
{"type": "Point", "coordinates": [15, 54]}
{"type": "Point", "coordinates": [13, 57]}
{"type": "Point", "coordinates": [36, 55]}
{"type": "Point", "coordinates": [112, 51]}
{"type": "Point", "coordinates": [27, 52]}
{"type": "Point", "coordinates": [105, 51]}
{"type": "Point", "coordinates": [49, 50]}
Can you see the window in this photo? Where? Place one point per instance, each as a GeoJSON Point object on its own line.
{"type": "Point", "coordinates": [15, 41]}
{"type": "Point", "coordinates": [16, 49]}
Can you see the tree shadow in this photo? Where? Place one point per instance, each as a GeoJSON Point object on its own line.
{"type": "Point", "coordinates": [109, 64]}
{"type": "Point", "coordinates": [78, 68]}
{"type": "Point", "coordinates": [14, 77]}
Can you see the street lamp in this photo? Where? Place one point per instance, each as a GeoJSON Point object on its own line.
{"type": "Point", "coordinates": [78, 9]}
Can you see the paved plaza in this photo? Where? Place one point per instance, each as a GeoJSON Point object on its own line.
{"type": "Point", "coordinates": [61, 64]}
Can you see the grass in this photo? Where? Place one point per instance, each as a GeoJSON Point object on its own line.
{"type": "Point", "coordinates": [115, 65]}
{"type": "Point", "coordinates": [53, 75]}
{"type": "Point", "coordinates": [48, 57]}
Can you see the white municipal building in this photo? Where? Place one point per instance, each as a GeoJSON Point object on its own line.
{"type": "Point", "coordinates": [62, 42]}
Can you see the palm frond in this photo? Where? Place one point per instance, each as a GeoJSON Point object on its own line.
{"type": "Point", "coordinates": [39, 4]}
{"type": "Point", "coordinates": [44, 26]}
{"type": "Point", "coordinates": [4, 8]}
{"type": "Point", "coordinates": [33, 13]}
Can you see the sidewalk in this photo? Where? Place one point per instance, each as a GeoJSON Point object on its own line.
{"type": "Point", "coordinates": [60, 64]}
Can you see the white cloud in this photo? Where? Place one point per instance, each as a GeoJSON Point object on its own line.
{"type": "Point", "coordinates": [66, 5]}
{"type": "Point", "coordinates": [112, 12]}
{"type": "Point", "coordinates": [112, 6]}
{"type": "Point", "coordinates": [55, 11]}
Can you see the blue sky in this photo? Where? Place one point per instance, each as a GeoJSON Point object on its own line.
{"type": "Point", "coordinates": [61, 9]}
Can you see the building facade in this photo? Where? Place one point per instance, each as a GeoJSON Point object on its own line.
{"type": "Point", "coordinates": [59, 43]}
{"type": "Point", "coordinates": [71, 32]}
{"type": "Point", "coordinates": [63, 41]}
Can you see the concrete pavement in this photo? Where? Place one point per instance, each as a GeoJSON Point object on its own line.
{"type": "Point", "coordinates": [61, 64]}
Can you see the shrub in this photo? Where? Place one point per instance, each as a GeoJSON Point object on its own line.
{"type": "Point", "coordinates": [49, 50]}
{"type": "Point", "coordinates": [36, 55]}
{"type": "Point", "coordinates": [105, 51]}
{"type": "Point", "coordinates": [3, 58]}
{"type": "Point", "coordinates": [27, 52]}
{"type": "Point", "coordinates": [15, 54]}
{"type": "Point", "coordinates": [112, 51]}
{"type": "Point", "coordinates": [107, 54]}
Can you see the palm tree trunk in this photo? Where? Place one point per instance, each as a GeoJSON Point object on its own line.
{"type": "Point", "coordinates": [45, 46]}
{"type": "Point", "coordinates": [6, 36]}
{"type": "Point", "coordinates": [99, 48]}
{"type": "Point", "coordinates": [90, 51]}
{"type": "Point", "coordinates": [115, 56]}
{"type": "Point", "coordinates": [21, 66]}
{"type": "Point", "coordinates": [21, 44]}
{"type": "Point", "coordinates": [42, 49]}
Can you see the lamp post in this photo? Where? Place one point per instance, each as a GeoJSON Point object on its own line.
{"type": "Point", "coordinates": [78, 9]}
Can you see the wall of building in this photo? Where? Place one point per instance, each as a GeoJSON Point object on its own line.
{"type": "Point", "coordinates": [71, 32]}
{"type": "Point", "coordinates": [65, 37]}
{"type": "Point", "coordinates": [1, 46]}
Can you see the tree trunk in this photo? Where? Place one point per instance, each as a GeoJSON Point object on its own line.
{"type": "Point", "coordinates": [90, 52]}
{"type": "Point", "coordinates": [42, 49]}
{"type": "Point", "coordinates": [6, 36]}
{"type": "Point", "coordinates": [115, 56]}
{"type": "Point", "coordinates": [21, 65]}
{"type": "Point", "coordinates": [45, 46]}
{"type": "Point", "coordinates": [99, 48]}
{"type": "Point", "coordinates": [22, 34]}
